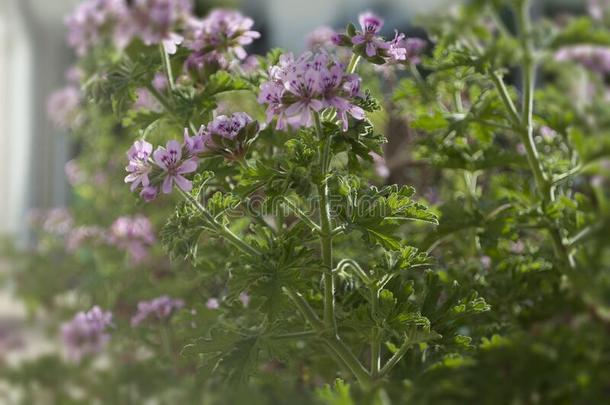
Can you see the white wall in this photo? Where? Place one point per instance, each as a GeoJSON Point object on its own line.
{"type": "Point", "coordinates": [33, 58]}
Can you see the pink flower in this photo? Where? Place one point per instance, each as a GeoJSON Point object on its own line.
{"type": "Point", "coordinates": [134, 235]}
{"type": "Point", "coordinates": [86, 333]}
{"type": "Point", "coordinates": [222, 31]}
{"type": "Point", "coordinates": [381, 168]}
{"type": "Point", "coordinates": [169, 159]}
{"type": "Point", "coordinates": [195, 144]}
{"type": "Point", "coordinates": [371, 25]}
{"type": "Point", "coordinates": [161, 308]}
{"type": "Point", "coordinates": [593, 57]}
{"type": "Point", "coordinates": [297, 88]}
{"type": "Point", "coordinates": [63, 107]}
{"type": "Point", "coordinates": [79, 235]}
{"type": "Point", "coordinates": [154, 22]}
{"type": "Point", "coordinates": [404, 49]}
{"type": "Point", "coordinates": [212, 303]}
{"type": "Point", "coordinates": [88, 19]}
{"type": "Point", "coordinates": [74, 173]}
{"type": "Point", "coordinates": [244, 298]}
{"type": "Point", "coordinates": [321, 37]}
{"type": "Point", "coordinates": [139, 167]}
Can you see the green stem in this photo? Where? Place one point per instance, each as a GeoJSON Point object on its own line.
{"type": "Point", "coordinates": [545, 189]}
{"type": "Point", "coordinates": [294, 208]}
{"type": "Point", "coordinates": [353, 264]}
{"type": "Point", "coordinates": [220, 228]}
{"type": "Point", "coordinates": [396, 357]}
{"type": "Point", "coordinates": [159, 97]}
{"type": "Point", "coordinates": [336, 345]}
{"type": "Point", "coordinates": [167, 67]}
{"type": "Point", "coordinates": [353, 64]}
{"type": "Point", "coordinates": [326, 237]}
{"type": "Point", "coordinates": [376, 334]}
{"type": "Point", "coordinates": [295, 335]}
{"type": "Point", "coordinates": [166, 342]}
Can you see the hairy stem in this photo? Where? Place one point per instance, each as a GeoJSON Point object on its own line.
{"type": "Point", "coordinates": [543, 185]}
{"type": "Point", "coordinates": [396, 357]}
{"type": "Point", "coordinates": [326, 237]}
{"type": "Point", "coordinates": [167, 67]}
{"type": "Point", "coordinates": [353, 64]}
{"type": "Point", "coordinates": [298, 212]}
{"type": "Point", "coordinates": [220, 228]}
{"type": "Point", "coordinates": [376, 334]}
{"type": "Point", "coordinates": [334, 343]}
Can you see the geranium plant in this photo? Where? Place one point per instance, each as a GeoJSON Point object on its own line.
{"type": "Point", "coordinates": [290, 263]}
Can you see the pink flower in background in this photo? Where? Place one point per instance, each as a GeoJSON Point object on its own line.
{"type": "Point", "coordinates": [56, 221]}
{"type": "Point", "coordinates": [139, 167]}
{"type": "Point", "coordinates": [548, 134]}
{"type": "Point", "coordinates": [593, 57]}
{"type": "Point", "coordinates": [154, 22]}
{"type": "Point", "coordinates": [134, 235]}
{"type": "Point", "coordinates": [371, 24]}
{"type": "Point", "coordinates": [598, 8]}
{"type": "Point", "coordinates": [63, 107]}
{"type": "Point", "coordinates": [404, 49]}
{"type": "Point", "coordinates": [74, 75]}
{"type": "Point", "coordinates": [81, 234]}
{"type": "Point", "coordinates": [88, 19]}
{"type": "Point", "coordinates": [160, 308]}
{"type": "Point", "coordinates": [74, 174]}
{"type": "Point", "coordinates": [86, 333]}
{"type": "Point", "coordinates": [250, 65]}
{"type": "Point", "coordinates": [222, 31]}
{"type": "Point", "coordinates": [517, 247]}
{"type": "Point", "coordinates": [169, 159]}
{"type": "Point", "coordinates": [146, 101]}
{"type": "Point", "coordinates": [244, 298]}
{"type": "Point", "coordinates": [320, 38]}
{"type": "Point", "coordinates": [381, 167]}
{"type": "Point", "coordinates": [212, 303]}
{"type": "Point", "coordinates": [160, 81]}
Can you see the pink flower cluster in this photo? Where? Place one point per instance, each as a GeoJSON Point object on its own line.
{"type": "Point", "coordinates": [299, 87]}
{"type": "Point", "coordinates": [153, 21]}
{"type": "Point", "coordinates": [63, 106]}
{"type": "Point", "coordinates": [168, 165]}
{"type": "Point", "coordinates": [368, 43]}
{"type": "Point", "coordinates": [160, 308]}
{"type": "Point", "coordinates": [593, 57]}
{"type": "Point", "coordinates": [132, 234]}
{"type": "Point", "coordinates": [220, 34]}
{"type": "Point", "coordinates": [89, 19]}
{"type": "Point", "coordinates": [598, 8]}
{"type": "Point", "coordinates": [86, 333]}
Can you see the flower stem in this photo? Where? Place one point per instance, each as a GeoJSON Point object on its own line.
{"type": "Point", "coordinates": [301, 214]}
{"type": "Point", "coordinates": [376, 334]}
{"type": "Point", "coordinates": [545, 188]}
{"type": "Point", "coordinates": [167, 67]}
{"type": "Point", "coordinates": [326, 237]}
{"type": "Point", "coordinates": [353, 63]}
{"type": "Point", "coordinates": [335, 344]}
{"type": "Point", "coordinates": [220, 228]}
{"type": "Point", "coordinates": [396, 357]}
